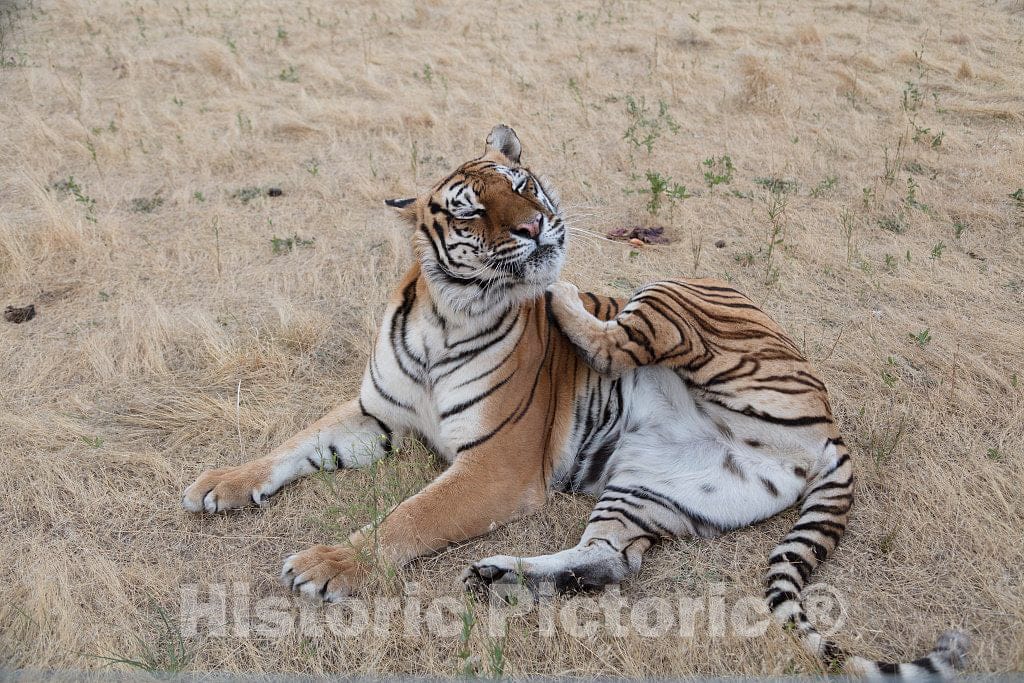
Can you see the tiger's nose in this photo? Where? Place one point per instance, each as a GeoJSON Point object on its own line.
{"type": "Point", "coordinates": [531, 227]}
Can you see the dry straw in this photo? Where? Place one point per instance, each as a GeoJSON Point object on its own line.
{"type": "Point", "coordinates": [186, 318]}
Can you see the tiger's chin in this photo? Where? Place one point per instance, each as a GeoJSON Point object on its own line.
{"type": "Point", "coordinates": [542, 267]}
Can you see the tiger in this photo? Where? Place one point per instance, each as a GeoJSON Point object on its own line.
{"type": "Point", "coordinates": [685, 410]}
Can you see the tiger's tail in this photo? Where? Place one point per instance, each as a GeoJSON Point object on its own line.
{"type": "Point", "coordinates": [822, 521]}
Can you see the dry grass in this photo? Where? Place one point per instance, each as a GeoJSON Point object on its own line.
{"type": "Point", "coordinates": [171, 338]}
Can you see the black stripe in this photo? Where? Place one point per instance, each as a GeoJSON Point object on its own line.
{"type": "Point", "coordinates": [637, 522]}
{"type": "Point", "coordinates": [454, 410]}
{"type": "Point", "coordinates": [383, 394]}
{"type": "Point", "coordinates": [388, 433]}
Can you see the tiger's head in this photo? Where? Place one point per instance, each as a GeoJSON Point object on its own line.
{"type": "Point", "coordinates": [490, 233]}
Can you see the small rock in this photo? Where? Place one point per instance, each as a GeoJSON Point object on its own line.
{"type": "Point", "coordinates": [636, 242]}
{"type": "Point", "coordinates": [15, 314]}
{"type": "Point", "coordinates": [274, 192]}
{"type": "Point", "coordinates": [720, 244]}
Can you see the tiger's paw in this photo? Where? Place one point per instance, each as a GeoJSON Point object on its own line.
{"type": "Point", "coordinates": [503, 576]}
{"type": "Point", "coordinates": [227, 488]}
{"type": "Point", "coordinates": [325, 572]}
{"type": "Point", "coordinates": [565, 300]}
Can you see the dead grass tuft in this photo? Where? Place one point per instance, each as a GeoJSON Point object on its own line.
{"type": "Point", "coordinates": [762, 87]}
{"type": "Point", "coordinates": [806, 34]}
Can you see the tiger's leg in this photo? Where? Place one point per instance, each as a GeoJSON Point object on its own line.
{"type": "Point", "coordinates": [480, 490]}
{"type": "Point", "coordinates": [672, 474]}
{"type": "Point", "coordinates": [346, 437]}
{"type": "Point", "coordinates": [632, 338]}
{"type": "Point", "coordinates": [632, 514]}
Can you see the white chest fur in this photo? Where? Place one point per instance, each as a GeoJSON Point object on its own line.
{"type": "Point", "coordinates": [429, 378]}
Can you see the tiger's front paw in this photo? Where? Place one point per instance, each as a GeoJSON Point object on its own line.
{"type": "Point", "coordinates": [226, 488]}
{"type": "Point", "coordinates": [565, 298]}
{"type": "Point", "coordinates": [326, 572]}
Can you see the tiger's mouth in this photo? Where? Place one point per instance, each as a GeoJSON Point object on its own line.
{"type": "Point", "coordinates": [542, 265]}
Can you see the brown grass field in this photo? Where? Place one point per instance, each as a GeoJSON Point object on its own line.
{"type": "Point", "coordinates": [874, 208]}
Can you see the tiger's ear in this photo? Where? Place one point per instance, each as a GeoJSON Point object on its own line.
{"type": "Point", "coordinates": [406, 208]}
{"type": "Point", "coordinates": [504, 140]}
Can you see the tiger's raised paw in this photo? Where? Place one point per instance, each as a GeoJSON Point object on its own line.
{"type": "Point", "coordinates": [227, 488]}
{"type": "Point", "coordinates": [565, 300]}
{"type": "Point", "coordinates": [325, 572]}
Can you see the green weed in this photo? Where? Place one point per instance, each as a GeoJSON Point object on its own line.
{"type": "Point", "coordinates": [645, 127]}
{"type": "Point", "coordinates": [284, 245]}
{"type": "Point", "coordinates": [718, 171]}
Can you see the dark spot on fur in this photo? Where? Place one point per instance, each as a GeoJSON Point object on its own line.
{"type": "Point", "coordinates": [769, 487]}
{"type": "Point", "coordinates": [753, 443]}
{"type": "Point", "coordinates": [707, 488]}
{"type": "Point", "coordinates": [724, 429]}
{"type": "Point", "coordinates": [800, 472]}
{"type": "Point", "coordinates": [731, 466]}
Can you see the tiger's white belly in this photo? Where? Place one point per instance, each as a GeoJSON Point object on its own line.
{"type": "Point", "coordinates": [671, 442]}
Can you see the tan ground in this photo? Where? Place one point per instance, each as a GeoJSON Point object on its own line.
{"type": "Point", "coordinates": [170, 337]}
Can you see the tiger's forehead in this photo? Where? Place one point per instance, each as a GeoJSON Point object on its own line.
{"type": "Point", "coordinates": [465, 185]}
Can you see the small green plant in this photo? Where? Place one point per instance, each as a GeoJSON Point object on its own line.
{"type": "Point", "coordinates": [892, 164]}
{"type": "Point", "coordinates": [937, 251]}
{"type": "Point", "coordinates": [896, 223]}
{"type": "Point", "coordinates": [147, 204]}
{"type": "Point", "coordinates": [661, 189]}
{"type": "Point", "coordinates": [244, 123]}
{"type": "Point", "coordinates": [744, 259]}
{"type": "Point", "coordinates": [890, 264]}
{"type": "Point", "coordinates": [912, 98]}
{"type": "Point", "coordinates": [71, 187]}
{"type": "Point", "coordinates": [170, 654]}
{"type": "Point", "coordinates": [427, 74]}
{"type": "Point", "coordinates": [284, 245]}
{"type": "Point", "coordinates": [886, 545]}
{"type": "Point", "coordinates": [289, 75]}
{"type": "Point", "coordinates": [468, 616]}
{"type": "Point", "coordinates": [847, 226]}
{"type": "Point", "coordinates": [282, 35]}
{"type": "Point", "coordinates": [995, 454]}
{"type": "Point", "coordinates": [775, 205]}
{"type": "Point", "coordinates": [198, 196]}
{"type": "Point", "coordinates": [718, 171]}
{"type": "Point", "coordinates": [959, 228]}
{"type": "Point", "coordinates": [577, 94]}
{"type": "Point", "coordinates": [922, 338]}
{"type": "Point", "coordinates": [247, 194]}
{"type": "Point", "coordinates": [925, 135]}
{"type": "Point", "coordinates": [882, 443]}
{"type": "Point", "coordinates": [824, 187]}
{"type": "Point", "coordinates": [911, 197]}
{"type": "Point", "coordinates": [94, 442]}
{"type": "Point", "coordinates": [313, 167]}
{"type": "Point", "coordinates": [867, 197]}
{"type": "Point", "coordinates": [777, 185]}
{"type": "Point", "coordinates": [1018, 195]}
{"type": "Point", "coordinates": [470, 665]}
{"type": "Point", "coordinates": [645, 128]}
